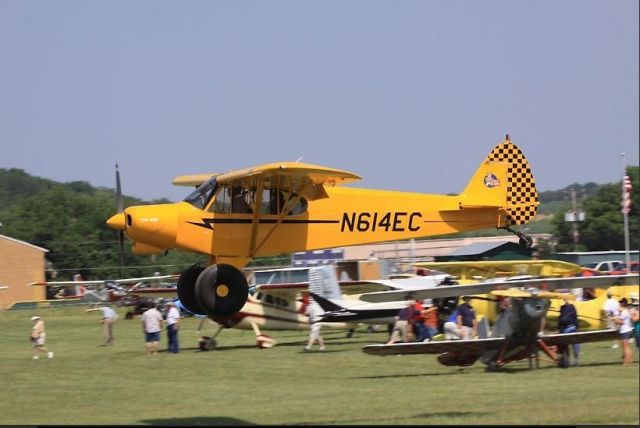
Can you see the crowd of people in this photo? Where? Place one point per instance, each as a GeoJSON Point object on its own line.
{"type": "Point", "coordinates": [418, 322]}
{"type": "Point", "coordinates": [152, 324]}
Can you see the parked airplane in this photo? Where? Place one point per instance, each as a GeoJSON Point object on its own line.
{"type": "Point", "coordinates": [588, 303]}
{"type": "Point", "coordinates": [354, 310]}
{"type": "Point", "coordinates": [517, 332]}
{"type": "Point", "coordinates": [289, 206]}
{"type": "Point", "coordinates": [113, 290]}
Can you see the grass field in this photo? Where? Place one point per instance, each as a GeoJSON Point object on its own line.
{"type": "Point", "coordinates": [239, 384]}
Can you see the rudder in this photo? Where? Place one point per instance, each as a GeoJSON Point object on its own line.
{"type": "Point", "coordinates": [504, 180]}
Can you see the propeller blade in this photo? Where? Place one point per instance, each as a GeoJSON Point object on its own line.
{"type": "Point", "coordinates": [120, 209]}
{"type": "Point", "coordinates": [119, 201]}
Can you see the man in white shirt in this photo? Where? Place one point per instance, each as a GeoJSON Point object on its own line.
{"type": "Point", "coordinates": [152, 325]}
{"type": "Point", "coordinates": [173, 325]}
{"type": "Point", "coordinates": [611, 310]}
{"type": "Point", "coordinates": [109, 317]}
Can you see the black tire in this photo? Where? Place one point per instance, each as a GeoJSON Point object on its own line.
{"type": "Point", "coordinates": [187, 289]}
{"type": "Point", "coordinates": [526, 242]}
{"type": "Point", "coordinates": [492, 366]}
{"type": "Point", "coordinates": [221, 290]}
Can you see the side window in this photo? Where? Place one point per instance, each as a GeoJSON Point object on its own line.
{"type": "Point", "coordinates": [222, 204]}
{"type": "Point", "coordinates": [233, 199]}
{"type": "Point", "coordinates": [300, 207]}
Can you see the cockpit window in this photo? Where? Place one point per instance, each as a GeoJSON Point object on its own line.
{"type": "Point", "coordinates": [241, 200]}
{"type": "Point", "coordinates": [233, 199]}
{"type": "Point", "coordinates": [202, 195]}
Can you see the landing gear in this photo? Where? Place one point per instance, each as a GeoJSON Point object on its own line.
{"type": "Point", "coordinates": [218, 290]}
{"type": "Point", "coordinates": [524, 241]}
{"type": "Point", "coordinates": [221, 290]}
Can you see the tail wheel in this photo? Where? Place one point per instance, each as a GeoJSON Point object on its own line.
{"type": "Point", "coordinates": [187, 289]}
{"type": "Point", "coordinates": [221, 290]}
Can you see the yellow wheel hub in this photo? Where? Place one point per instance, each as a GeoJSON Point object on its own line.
{"type": "Point", "coordinates": [222, 290]}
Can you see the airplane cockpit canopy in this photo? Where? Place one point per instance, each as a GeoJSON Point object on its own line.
{"type": "Point", "coordinates": [240, 199]}
{"type": "Point", "coordinates": [200, 197]}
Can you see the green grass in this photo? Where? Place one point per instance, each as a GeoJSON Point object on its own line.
{"type": "Point", "coordinates": [241, 385]}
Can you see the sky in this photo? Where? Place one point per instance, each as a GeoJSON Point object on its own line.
{"type": "Point", "coordinates": [410, 95]}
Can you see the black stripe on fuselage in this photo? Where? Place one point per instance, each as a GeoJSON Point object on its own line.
{"type": "Point", "coordinates": [208, 223]}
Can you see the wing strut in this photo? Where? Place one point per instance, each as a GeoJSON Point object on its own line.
{"type": "Point", "coordinates": [256, 216]}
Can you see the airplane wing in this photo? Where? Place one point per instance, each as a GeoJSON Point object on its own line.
{"type": "Point", "coordinates": [580, 337]}
{"type": "Point", "coordinates": [498, 268]}
{"type": "Point", "coordinates": [193, 179]}
{"type": "Point", "coordinates": [473, 346]}
{"type": "Point", "coordinates": [546, 284]}
{"type": "Point", "coordinates": [103, 281]}
{"type": "Point", "coordinates": [346, 287]}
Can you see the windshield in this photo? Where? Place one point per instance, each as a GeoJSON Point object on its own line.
{"type": "Point", "coordinates": [200, 197]}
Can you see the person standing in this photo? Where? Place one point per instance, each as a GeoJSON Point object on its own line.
{"type": "Point", "coordinates": [173, 325]}
{"type": "Point", "coordinates": [109, 317]}
{"type": "Point", "coordinates": [151, 326]}
{"type": "Point", "coordinates": [568, 323]}
{"type": "Point", "coordinates": [623, 320]}
{"type": "Point", "coordinates": [466, 319]}
{"type": "Point", "coordinates": [420, 332]}
{"type": "Point", "coordinates": [314, 326]}
{"type": "Point", "coordinates": [635, 319]}
{"type": "Point", "coordinates": [38, 336]}
{"type": "Point", "coordinates": [611, 309]}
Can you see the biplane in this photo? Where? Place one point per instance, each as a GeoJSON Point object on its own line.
{"type": "Point", "coordinates": [287, 207]}
{"type": "Point", "coordinates": [588, 303]}
{"type": "Point", "coordinates": [517, 333]}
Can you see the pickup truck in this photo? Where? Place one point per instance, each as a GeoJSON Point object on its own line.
{"type": "Point", "coordinates": [606, 266]}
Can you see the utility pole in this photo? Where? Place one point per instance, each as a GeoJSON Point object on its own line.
{"type": "Point", "coordinates": [574, 216]}
{"type": "Point", "coordinates": [625, 211]}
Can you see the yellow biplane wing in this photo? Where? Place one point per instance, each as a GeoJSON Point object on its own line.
{"type": "Point", "coordinates": [468, 271]}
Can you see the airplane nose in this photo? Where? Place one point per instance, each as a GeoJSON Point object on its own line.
{"type": "Point", "coordinates": [117, 221]}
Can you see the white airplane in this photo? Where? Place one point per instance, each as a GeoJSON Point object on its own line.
{"type": "Point", "coordinates": [286, 306]}
{"type": "Point", "coordinates": [112, 290]}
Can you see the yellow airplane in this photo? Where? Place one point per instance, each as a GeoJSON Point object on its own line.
{"type": "Point", "coordinates": [589, 307]}
{"type": "Point", "coordinates": [289, 206]}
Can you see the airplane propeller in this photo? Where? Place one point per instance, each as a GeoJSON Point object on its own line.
{"type": "Point", "coordinates": [120, 209]}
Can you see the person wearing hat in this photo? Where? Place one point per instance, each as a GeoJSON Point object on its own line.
{"type": "Point", "coordinates": [626, 331]}
{"type": "Point", "coordinates": [38, 336]}
{"type": "Point", "coordinates": [109, 317]}
{"type": "Point", "coordinates": [611, 309]}
{"type": "Point", "coordinates": [173, 325]}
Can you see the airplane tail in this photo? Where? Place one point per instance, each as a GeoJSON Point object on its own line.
{"type": "Point", "coordinates": [325, 304]}
{"type": "Point", "coordinates": [503, 180]}
{"type": "Point", "coordinates": [323, 281]}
